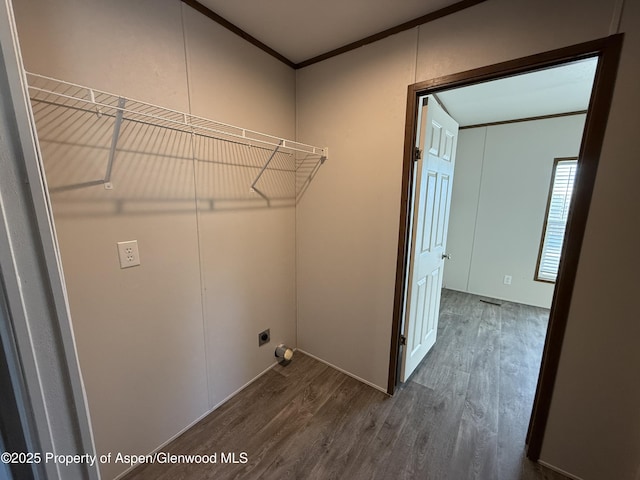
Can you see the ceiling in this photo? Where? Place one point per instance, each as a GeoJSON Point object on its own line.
{"type": "Point", "coordinates": [562, 89]}
{"type": "Point", "coordinates": [303, 29]}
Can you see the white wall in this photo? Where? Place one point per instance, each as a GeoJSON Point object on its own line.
{"type": "Point", "coordinates": [464, 207]}
{"type": "Point", "coordinates": [500, 192]}
{"type": "Point", "coordinates": [347, 223]}
{"type": "Point", "coordinates": [161, 344]}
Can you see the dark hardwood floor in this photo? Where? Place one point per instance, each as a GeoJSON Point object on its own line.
{"type": "Point", "coordinates": [462, 415]}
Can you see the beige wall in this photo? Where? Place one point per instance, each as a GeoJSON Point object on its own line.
{"type": "Point", "coordinates": [594, 423]}
{"type": "Point", "coordinates": [499, 198]}
{"type": "Point", "coordinates": [161, 344]}
{"type": "Point", "coordinates": [347, 224]}
{"type": "Point", "coordinates": [247, 252]}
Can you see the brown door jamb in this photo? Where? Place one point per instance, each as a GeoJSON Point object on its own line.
{"type": "Point", "coordinates": [608, 51]}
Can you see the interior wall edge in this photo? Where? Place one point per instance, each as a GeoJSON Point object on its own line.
{"type": "Point", "coordinates": [477, 207]}
{"type": "Point", "coordinates": [346, 372]}
{"type": "Point", "coordinates": [187, 66]}
{"type": "Point", "coordinates": [207, 12]}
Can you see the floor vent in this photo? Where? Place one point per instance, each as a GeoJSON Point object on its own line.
{"type": "Point", "coordinates": [491, 301]}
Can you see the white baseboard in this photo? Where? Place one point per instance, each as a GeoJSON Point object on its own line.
{"type": "Point", "coordinates": [559, 470]}
{"type": "Point", "coordinates": [211, 410]}
{"type": "Point", "coordinates": [230, 396]}
{"type": "Point", "coordinates": [362, 380]}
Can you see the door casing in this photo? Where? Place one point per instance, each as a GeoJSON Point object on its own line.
{"type": "Point", "coordinates": [607, 50]}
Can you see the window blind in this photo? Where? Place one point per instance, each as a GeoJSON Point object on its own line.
{"type": "Point", "coordinates": [560, 198]}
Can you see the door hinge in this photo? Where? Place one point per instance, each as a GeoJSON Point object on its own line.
{"type": "Point", "coordinates": [417, 154]}
{"type": "Point", "coordinates": [403, 340]}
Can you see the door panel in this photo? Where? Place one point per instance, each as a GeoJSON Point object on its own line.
{"type": "Point", "coordinates": [450, 139]}
{"type": "Point", "coordinates": [428, 217]}
{"type": "Point", "coordinates": [422, 297]}
{"type": "Point", "coordinates": [443, 210]}
{"type": "Point", "coordinates": [434, 137]}
{"type": "Point", "coordinates": [433, 180]}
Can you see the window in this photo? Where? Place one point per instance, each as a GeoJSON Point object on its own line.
{"type": "Point", "coordinates": [564, 174]}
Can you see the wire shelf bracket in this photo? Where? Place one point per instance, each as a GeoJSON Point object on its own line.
{"type": "Point", "coordinates": [114, 143]}
{"type": "Point", "coordinates": [264, 167]}
{"type": "Point", "coordinates": [48, 90]}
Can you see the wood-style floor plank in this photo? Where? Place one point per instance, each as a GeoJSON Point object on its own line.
{"type": "Point", "coordinates": [463, 414]}
{"type": "Point", "coordinates": [267, 444]}
{"type": "Point", "coordinates": [475, 452]}
{"type": "Point", "coordinates": [521, 344]}
{"type": "Point", "coordinates": [361, 428]}
{"type": "Point", "coordinates": [379, 448]}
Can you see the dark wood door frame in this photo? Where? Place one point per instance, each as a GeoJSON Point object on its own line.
{"type": "Point", "coordinates": [607, 50]}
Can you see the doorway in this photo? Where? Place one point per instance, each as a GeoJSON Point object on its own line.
{"type": "Point", "coordinates": [607, 52]}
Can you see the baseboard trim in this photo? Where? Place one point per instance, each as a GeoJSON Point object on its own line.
{"type": "Point", "coordinates": [230, 396]}
{"type": "Point", "coordinates": [484, 295]}
{"type": "Point", "coordinates": [362, 380]}
{"type": "Point", "coordinates": [559, 470]}
{"type": "Point", "coordinates": [200, 418]}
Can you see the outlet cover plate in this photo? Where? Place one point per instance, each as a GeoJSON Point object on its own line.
{"type": "Point", "coordinates": [128, 254]}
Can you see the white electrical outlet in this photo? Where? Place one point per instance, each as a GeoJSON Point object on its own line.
{"type": "Point", "coordinates": [128, 254]}
{"type": "Point", "coordinates": [507, 280]}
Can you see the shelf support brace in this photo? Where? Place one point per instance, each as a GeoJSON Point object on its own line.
{"type": "Point", "coordinates": [264, 167]}
{"type": "Point", "coordinates": [114, 143]}
{"type": "Point", "coordinates": [314, 170]}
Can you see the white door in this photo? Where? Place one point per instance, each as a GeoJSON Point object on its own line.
{"type": "Point", "coordinates": [433, 178]}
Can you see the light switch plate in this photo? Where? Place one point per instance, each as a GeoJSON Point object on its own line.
{"type": "Point", "coordinates": [128, 254]}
